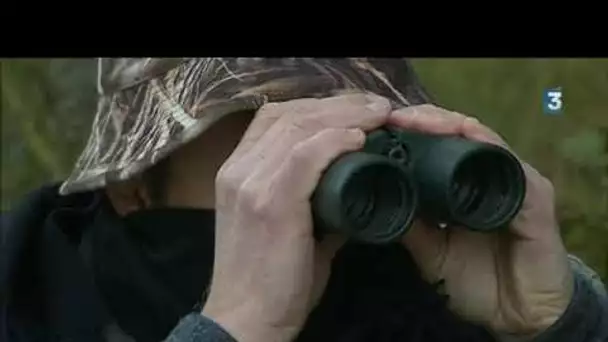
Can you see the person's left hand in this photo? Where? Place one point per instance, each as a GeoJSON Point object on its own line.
{"type": "Point", "coordinates": [517, 282]}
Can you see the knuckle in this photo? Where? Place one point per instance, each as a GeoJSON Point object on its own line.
{"type": "Point", "coordinates": [268, 110]}
{"type": "Point", "coordinates": [457, 115]}
{"type": "Point", "coordinates": [348, 140]}
{"type": "Point", "coordinates": [547, 186]}
{"type": "Point", "coordinates": [254, 201]}
{"type": "Point", "coordinates": [337, 137]}
{"type": "Point", "coordinates": [537, 181]}
{"type": "Point", "coordinates": [300, 154]}
{"type": "Point", "coordinates": [227, 179]}
{"type": "Point", "coordinates": [356, 137]}
{"type": "Point", "coordinates": [427, 107]}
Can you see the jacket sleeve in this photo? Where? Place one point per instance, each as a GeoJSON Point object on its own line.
{"type": "Point", "coordinates": [198, 328]}
{"type": "Point", "coordinates": [586, 318]}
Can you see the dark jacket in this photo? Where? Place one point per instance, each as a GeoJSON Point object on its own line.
{"type": "Point", "coordinates": [70, 271]}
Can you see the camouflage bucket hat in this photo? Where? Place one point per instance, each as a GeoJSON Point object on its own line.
{"type": "Point", "coordinates": [148, 107]}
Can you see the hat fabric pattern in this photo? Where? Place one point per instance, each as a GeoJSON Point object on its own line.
{"type": "Point", "coordinates": [148, 107]}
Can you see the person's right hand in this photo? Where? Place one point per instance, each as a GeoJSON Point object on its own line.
{"type": "Point", "coordinates": [268, 271]}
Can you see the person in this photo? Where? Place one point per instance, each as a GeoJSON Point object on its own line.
{"type": "Point", "coordinates": [187, 218]}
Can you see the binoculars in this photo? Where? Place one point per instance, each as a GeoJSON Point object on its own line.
{"type": "Point", "coordinates": [374, 195]}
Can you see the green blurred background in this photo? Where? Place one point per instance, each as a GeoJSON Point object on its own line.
{"type": "Point", "coordinates": [48, 106]}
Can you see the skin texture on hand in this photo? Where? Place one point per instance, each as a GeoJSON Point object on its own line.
{"type": "Point", "coordinates": [268, 270]}
{"type": "Point", "coordinates": [517, 282]}
{"type": "Point", "coordinates": [269, 273]}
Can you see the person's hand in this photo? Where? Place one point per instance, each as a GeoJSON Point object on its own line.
{"type": "Point", "coordinates": [517, 282]}
{"type": "Point", "coordinates": [268, 270]}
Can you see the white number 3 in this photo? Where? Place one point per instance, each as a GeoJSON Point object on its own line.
{"type": "Point", "coordinates": [555, 100]}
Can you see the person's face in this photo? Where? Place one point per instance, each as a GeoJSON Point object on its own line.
{"type": "Point", "coordinates": [191, 170]}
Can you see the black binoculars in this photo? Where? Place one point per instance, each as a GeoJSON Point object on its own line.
{"type": "Point", "coordinates": [374, 195]}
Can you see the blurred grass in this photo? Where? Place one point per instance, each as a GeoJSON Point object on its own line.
{"type": "Point", "coordinates": [48, 104]}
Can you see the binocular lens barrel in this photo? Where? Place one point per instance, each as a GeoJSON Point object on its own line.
{"type": "Point", "coordinates": [374, 195]}
{"type": "Point", "coordinates": [486, 190]}
{"type": "Point", "coordinates": [366, 196]}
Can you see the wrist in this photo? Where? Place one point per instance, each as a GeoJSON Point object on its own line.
{"type": "Point", "coordinates": [540, 317]}
{"type": "Point", "coordinates": [248, 325]}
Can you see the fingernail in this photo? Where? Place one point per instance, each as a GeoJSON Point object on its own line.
{"type": "Point", "coordinates": [472, 120]}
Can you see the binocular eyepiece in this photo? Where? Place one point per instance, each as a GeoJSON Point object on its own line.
{"type": "Point", "coordinates": [374, 195]}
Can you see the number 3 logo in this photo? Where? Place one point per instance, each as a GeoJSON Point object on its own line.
{"type": "Point", "coordinates": [552, 101]}
{"type": "Point", "coordinates": [555, 100]}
